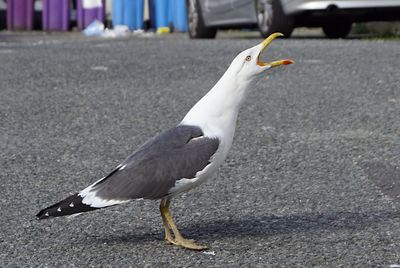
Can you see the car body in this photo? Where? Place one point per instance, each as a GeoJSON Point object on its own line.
{"type": "Point", "coordinates": [335, 17]}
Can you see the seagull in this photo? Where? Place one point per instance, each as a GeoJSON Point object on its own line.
{"type": "Point", "coordinates": [181, 157]}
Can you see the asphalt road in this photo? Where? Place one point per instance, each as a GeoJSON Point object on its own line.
{"type": "Point", "coordinates": [312, 178]}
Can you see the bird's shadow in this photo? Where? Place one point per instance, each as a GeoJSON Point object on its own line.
{"type": "Point", "coordinates": [264, 226]}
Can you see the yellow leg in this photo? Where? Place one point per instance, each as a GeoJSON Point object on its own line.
{"type": "Point", "coordinates": [179, 240]}
{"type": "Point", "coordinates": [168, 236]}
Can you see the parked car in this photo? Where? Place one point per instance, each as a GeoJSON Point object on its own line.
{"type": "Point", "coordinates": [205, 17]}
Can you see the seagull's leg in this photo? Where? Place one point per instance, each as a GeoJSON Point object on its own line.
{"type": "Point", "coordinates": [168, 236]}
{"type": "Point", "coordinates": [179, 240]}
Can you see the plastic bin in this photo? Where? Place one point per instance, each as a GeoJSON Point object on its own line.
{"type": "Point", "coordinates": [88, 11]}
{"type": "Point", "coordinates": [128, 12]}
{"type": "Point", "coordinates": [55, 15]}
{"type": "Point", "coordinates": [179, 16]}
{"type": "Point", "coordinates": [171, 13]}
{"type": "Point", "coordinates": [20, 14]}
{"type": "Point", "coordinates": [161, 12]}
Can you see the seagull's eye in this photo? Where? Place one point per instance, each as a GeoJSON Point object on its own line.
{"type": "Point", "coordinates": [248, 58]}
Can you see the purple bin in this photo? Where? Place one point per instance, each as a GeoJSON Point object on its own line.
{"type": "Point", "coordinates": [20, 14]}
{"type": "Point", "coordinates": [55, 15]}
{"type": "Point", "coordinates": [88, 11]}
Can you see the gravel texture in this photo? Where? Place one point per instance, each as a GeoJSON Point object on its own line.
{"type": "Point", "coordinates": [312, 178]}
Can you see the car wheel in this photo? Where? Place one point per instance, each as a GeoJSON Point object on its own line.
{"type": "Point", "coordinates": [196, 27]}
{"type": "Point", "coordinates": [271, 19]}
{"type": "Point", "coordinates": [337, 30]}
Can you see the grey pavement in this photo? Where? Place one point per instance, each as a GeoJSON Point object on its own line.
{"type": "Point", "coordinates": [312, 179]}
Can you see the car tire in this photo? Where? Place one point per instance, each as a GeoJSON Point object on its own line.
{"type": "Point", "coordinates": [196, 26]}
{"type": "Point", "coordinates": [271, 18]}
{"type": "Point", "coordinates": [337, 30]}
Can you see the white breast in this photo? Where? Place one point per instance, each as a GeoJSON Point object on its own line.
{"type": "Point", "coordinates": [216, 115]}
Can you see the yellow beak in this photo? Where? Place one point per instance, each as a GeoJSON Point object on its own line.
{"type": "Point", "coordinates": [265, 43]}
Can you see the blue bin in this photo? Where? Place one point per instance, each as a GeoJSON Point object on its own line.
{"type": "Point", "coordinates": [171, 12]}
{"type": "Point", "coordinates": [117, 14]}
{"type": "Point", "coordinates": [161, 11]}
{"type": "Point", "coordinates": [128, 12]}
{"type": "Point", "coordinates": [179, 16]}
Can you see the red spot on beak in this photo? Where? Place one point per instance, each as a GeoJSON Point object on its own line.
{"type": "Point", "coordinates": [287, 62]}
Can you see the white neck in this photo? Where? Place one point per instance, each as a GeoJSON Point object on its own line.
{"type": "Point", "coordinates": [217, 111]}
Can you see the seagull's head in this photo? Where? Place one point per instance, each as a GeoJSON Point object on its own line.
{"type": "Point", "coordinates": [247, 65]}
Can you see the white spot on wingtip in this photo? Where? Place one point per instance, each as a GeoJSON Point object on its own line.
{"type": "Point", "coordinates": [71, 205]}
{"type": "Point", "coordinates": [122, 167]}
{"type": "Point", "coordinates": [59, 209]}
{"type": "Point", "coordinates": [46, 214]}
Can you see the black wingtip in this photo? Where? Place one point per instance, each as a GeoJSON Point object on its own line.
{"type": "Point", "coordinates": [68, 206]}
{"type": "Point", "coordinates": [42, 215]}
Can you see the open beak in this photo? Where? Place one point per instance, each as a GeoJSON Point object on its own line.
{"type": "Point", "coordinates": [264, 44]}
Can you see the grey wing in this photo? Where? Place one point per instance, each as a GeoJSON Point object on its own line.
{"type": "Point", "coordinates": [151, 171]}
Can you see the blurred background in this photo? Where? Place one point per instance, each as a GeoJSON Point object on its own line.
{"type": "Point", "coordinates": [313, 176]}
{"type": "Point", "coordinates": [205, 18]}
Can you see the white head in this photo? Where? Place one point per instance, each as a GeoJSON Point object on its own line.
{"type": "Point", "coordinates": [247, 65]}
{"type": "Point", "coordinates": [217, 111]}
